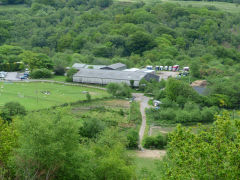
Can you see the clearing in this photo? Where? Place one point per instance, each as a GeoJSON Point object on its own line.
{"type": "Point", "coordinates": [40, 95]}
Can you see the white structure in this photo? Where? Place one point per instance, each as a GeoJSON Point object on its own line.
{"type": "Point", "coordinates": [103, 77]}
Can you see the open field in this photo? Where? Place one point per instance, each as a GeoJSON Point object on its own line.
{"type": "Point", "coordinates": [146, 168]}
{"type": "Point", "coordinates": [44, 95]}
{"type": "Point", "coordinates": [224, 6]}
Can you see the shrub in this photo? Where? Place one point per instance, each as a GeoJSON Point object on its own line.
{"type": "Point", "coordinates": [158, 142]}
{"type": "Point", "coordinates": [119, 90]}
{"type": "Point", "coordinates": [59, 70]}
{"type": "Point", "coordinates": [40, 73]}
{"type": "Point", "coordinates": [91, 128]}
{"type": "Point", "coordinates": [70, 74]}
{"type": "Point", "coordinates": [88, 96]}
{"type": "Point", "coordinates": [132, 138]}
{"type": "Point", "coordinates": [11, 109]}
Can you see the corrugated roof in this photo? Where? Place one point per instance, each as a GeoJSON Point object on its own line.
{"type": "Point", "coordinates": [78, 65]}
{"type": "Point", "coordinates": [95, 66]}
{"type": "Point", "coordinates": [116, 66]}
{"type": "Point", "coordinates": [110, 74]}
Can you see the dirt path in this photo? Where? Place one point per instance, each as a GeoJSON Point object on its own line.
{"type": "Point", "coordinates": [143, 105]}
{"type": "Point", "coordinates": [155, 154]}
{"type": "Point", "coordinates": [145, 153]}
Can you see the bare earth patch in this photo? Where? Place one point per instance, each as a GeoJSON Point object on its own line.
{"type": "Point", "coordinates": [155, 154]}
{"type": "Point", "coordinates": [118, 103]}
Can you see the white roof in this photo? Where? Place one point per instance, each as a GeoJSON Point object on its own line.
{"type": "Point", "coordinates": [132, 69]}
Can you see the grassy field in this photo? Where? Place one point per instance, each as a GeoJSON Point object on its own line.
{"type": "Point", "coordinates": [146, 168]}
{"type": "Point", "coordinates": [224, 6]}
{"type": "Point", "coordinates": [44, 95]}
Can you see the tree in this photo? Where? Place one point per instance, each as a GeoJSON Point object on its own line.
{"type": "Point", "coordinates": [49, 147]}
{"type": "Point", "coordinates": [36, 60]}
{"type": "Point", "coordinates": [11, 109]}
{"type": "Point", "coordinates": [208, 154]}
{"type": "Point", "coordinates": [139, 42]}
{"type": "Point", "coordinates": [104, 3]}
{"type": "Point", "coordinates": [175, 88]}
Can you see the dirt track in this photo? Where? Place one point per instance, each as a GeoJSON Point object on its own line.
{"type": "Point", "coordinates": [143, 105]}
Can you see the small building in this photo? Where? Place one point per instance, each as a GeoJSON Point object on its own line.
{"type": "Point", "coordinates": [103, 77]}
{"type": "Point", "coordinates": [117, 66]}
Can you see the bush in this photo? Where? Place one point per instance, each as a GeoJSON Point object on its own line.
{"type": "Point", "coordinates": [59, 70]}
{"type": "Point", "coordinates": [119, 90]}
{"type": "Point", "coordinates": [11, 109]}
{"type": "Point", "coordinates": [70, 74]}
{"type": "Point", "coordinates": [158, 142]}
{"type": "Point", "coordinates": [91, 128]}
{"type": "Point", "coordinates": [88, 96]}
{"type": "Point", "coordinates": [40, 73]}
{"type": "Point", "coordinates": [132, 138]}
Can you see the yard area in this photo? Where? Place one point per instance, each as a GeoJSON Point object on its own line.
{"type": "Point", "coordinates": [39, 95]}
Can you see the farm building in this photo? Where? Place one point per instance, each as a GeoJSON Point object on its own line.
{"type": "Point", "coordinates": [117, 66]}
{"type": "Point", "coordinates": [79, 66]}
{"type": "Point", "coordinates": [103, 77]}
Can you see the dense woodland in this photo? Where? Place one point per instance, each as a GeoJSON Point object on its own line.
{"type": "Point", "coordinates": [47, 36]}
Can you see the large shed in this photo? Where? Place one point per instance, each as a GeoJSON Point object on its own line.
{"type": "Point", "coordinates": [117, 66]}
{"type": "Point", "coordinates": [103, 77]}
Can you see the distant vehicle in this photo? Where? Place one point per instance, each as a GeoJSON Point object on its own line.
{"type": "Point", "coordinates": [156, 103]}
{"type": "Point", "coordinates": [160, 68]}
{"type": "Point", "coordinates": [175, 68]}
{"type": "Point", "coordinates": [165, 68]}
{"type": "Point", "coordinates": [170, 68]}
{"type": "Point", "coordinates": [22, 77]}
{"type": "Point", "coordinates": [157, 68]}
{"type": "Point", "coordinates": [149, 67]}
{"type": "Point", "coordinates": [186, 68]}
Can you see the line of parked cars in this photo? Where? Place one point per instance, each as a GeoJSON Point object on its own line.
{"type": "Point", "coordinates": [168, 68]}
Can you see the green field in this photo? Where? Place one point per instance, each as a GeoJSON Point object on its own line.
{"type": "Point", "coordinates": [39, 95]}
{"type": "Point", "coordinates": [224, 6]}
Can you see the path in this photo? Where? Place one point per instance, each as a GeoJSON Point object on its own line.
{"type": "Point", "coordinates": [143, 105]}
{"type": "Point", "coordinates": [145, 153]}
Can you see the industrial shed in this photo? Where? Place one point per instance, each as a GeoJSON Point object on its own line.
{"type": "Point", "coordinates": [117, 66]}
{"type": "Point", "coordinates": [79, 66]}
{"type": "Point", "coordinates": [103, 77]}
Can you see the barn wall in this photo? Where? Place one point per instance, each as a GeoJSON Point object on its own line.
{"type": "Point", "coordinates": [101, 81]}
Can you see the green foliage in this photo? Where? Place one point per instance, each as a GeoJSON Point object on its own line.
{"type": "Point", "coordinates": [91, 128]}
{"type": "Point", "coordinates": [139, 42]}
{"type": "Point", "coordinates": [48, 147]}
{"type": "Point", "coordinates": [8, 141]}
{"type": "Point", "coordinates": [175, 88]}
{"type": "Point", "coordinates": [119, 90]}
{"type": "Point", "coordinates": [209, 154]}
{"type": "Point", "coordinates": [70, 74]}
{"type": "Point", "coordinates": [156, 142]}
{"type": "Point", "coordinates": [40, 73]}
{"type": "Point", "coordinates": [12, 109]}
{"type": "Point", "coordinates": [36, 60]}
{"type": "Point", "coordinates": [88, 96]}
{"type": "Point", "coordinates": [133, 139]}
{"type": "Point", "coordinates": [135, 114]}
